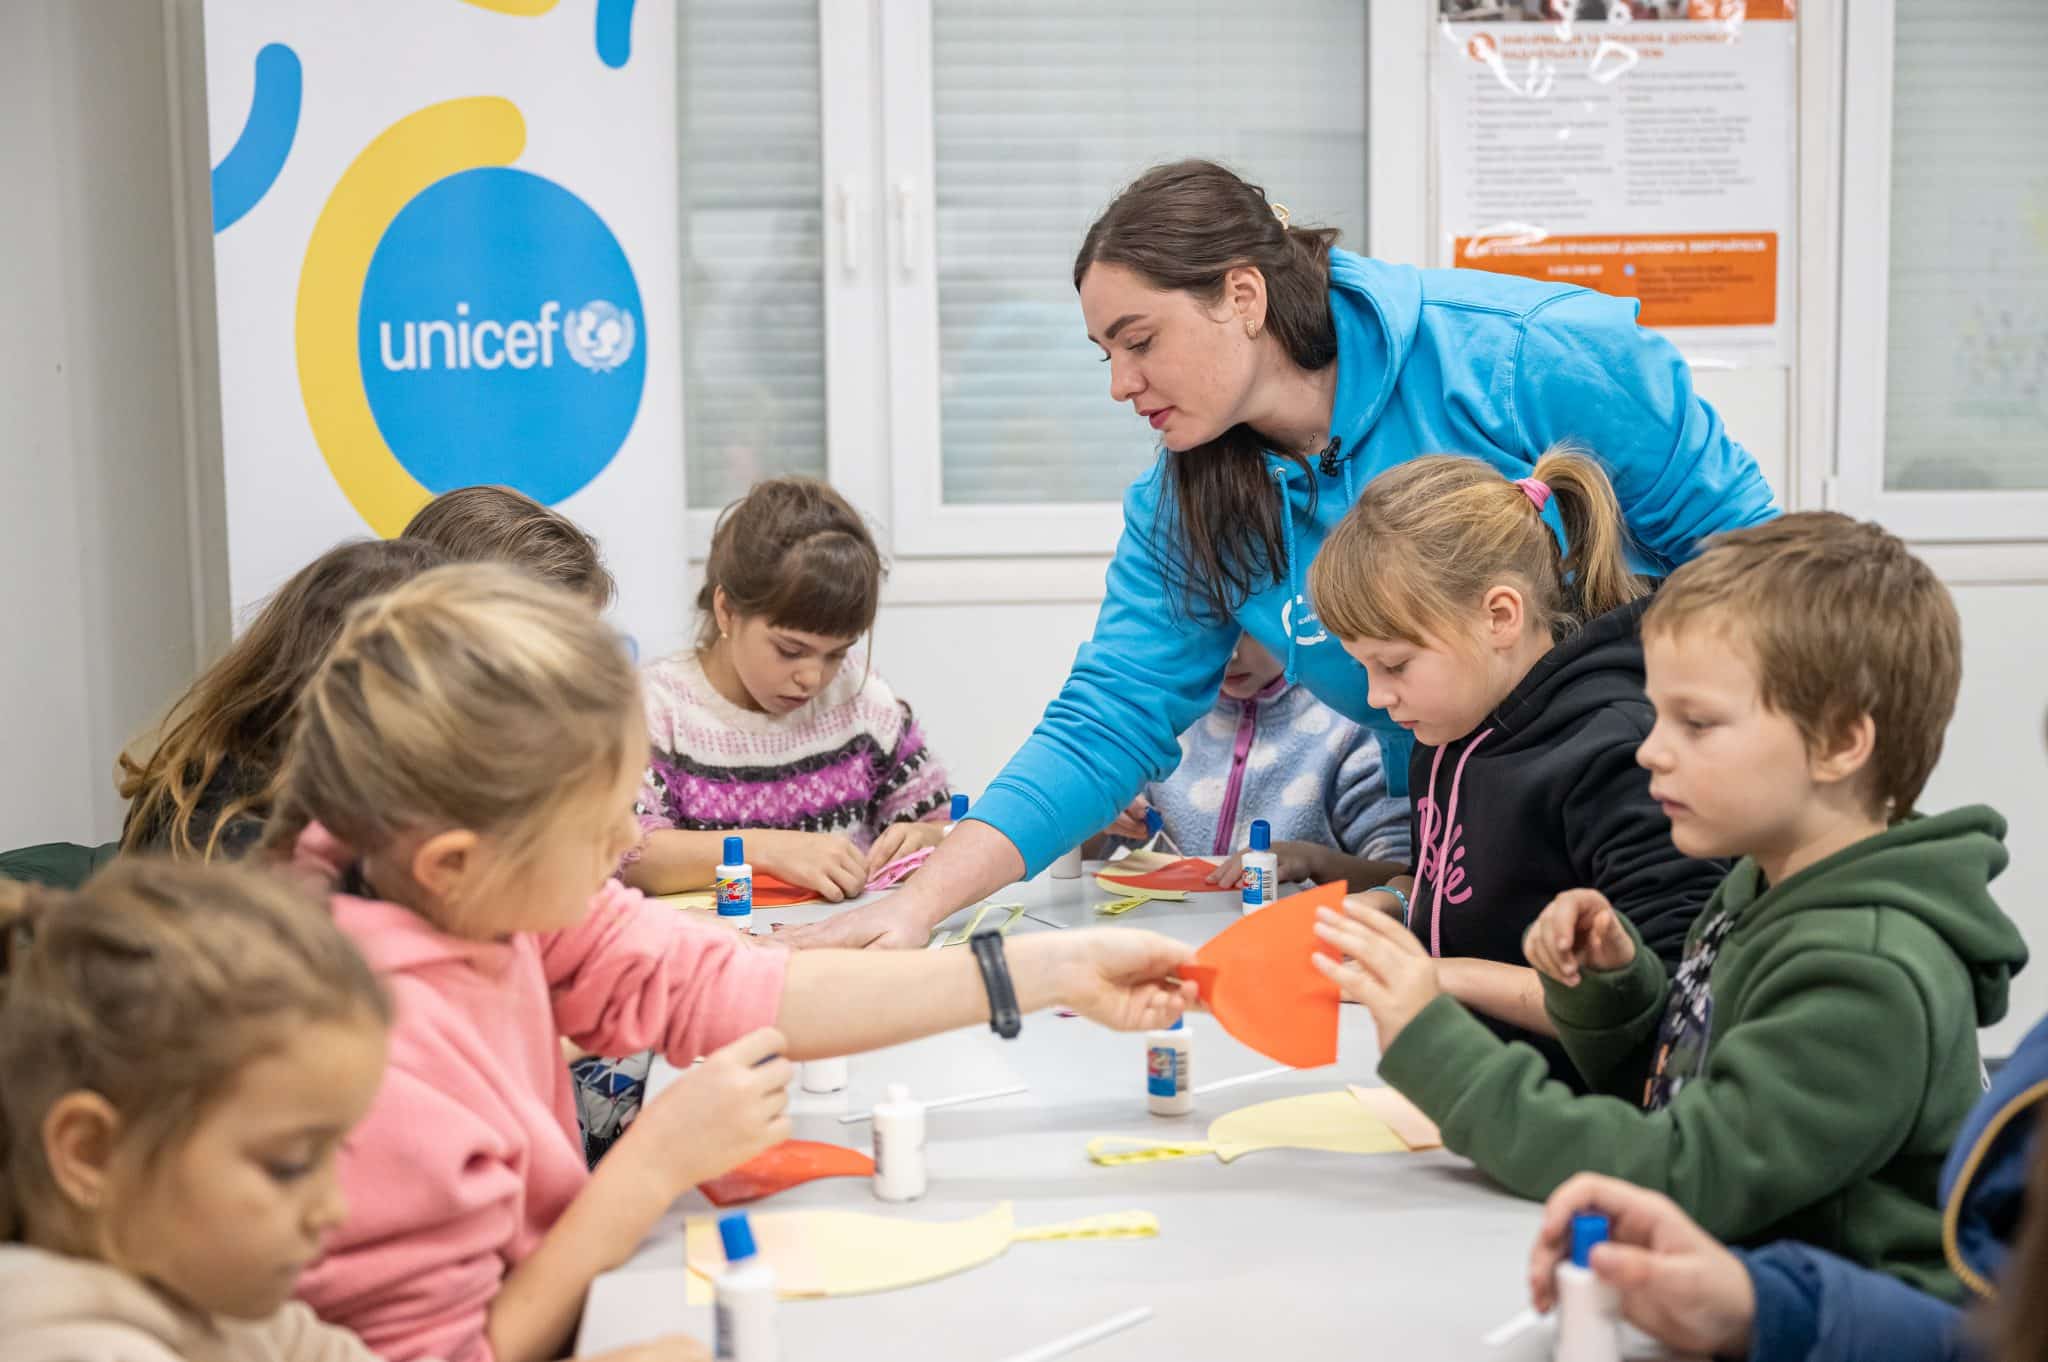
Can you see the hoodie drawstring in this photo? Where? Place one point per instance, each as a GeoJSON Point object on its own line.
{"type": "Point", "coordinates": [1297, 598]}
{"type": "Point", "coordinates": [1443, 848]}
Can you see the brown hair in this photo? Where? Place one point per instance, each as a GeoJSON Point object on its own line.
{"type": "Point", "coordinates": [239, 710]}
{"type": "Point", "coordinates": [475, 696]}
{"type": "Point", "coordinates": [1185, 226]}
{"type": "Point", "coordinates": [1428, 538]}
{"type": "Point", "coordinates": [796, 553]}
{"type": "Point", "coordinates": [153, 986]}
{"type": "Point", "coordinates": [1840, 620]}
{"type": "Point", "coordinates": [2019, 1320]}
{"type": "Point", "coordinates": [498, 525]}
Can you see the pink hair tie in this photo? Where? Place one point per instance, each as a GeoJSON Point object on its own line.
{"type": "Point", "coordinates": [1536, 490]}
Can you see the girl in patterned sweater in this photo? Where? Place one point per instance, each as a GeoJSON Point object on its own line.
{"type": "Point", "coordinates": [771, 727]}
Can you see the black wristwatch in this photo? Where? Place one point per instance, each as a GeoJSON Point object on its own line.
{"type": "Point", "coordinates": [1003, 1017]}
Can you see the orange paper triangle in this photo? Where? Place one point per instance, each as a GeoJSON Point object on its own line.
{"type": "Point", "coordinates": [783, 1167]}
{"type": "Point", "coordinates": [1189, 874]}
{"type": "Point", "coordinates": [1255, 976]}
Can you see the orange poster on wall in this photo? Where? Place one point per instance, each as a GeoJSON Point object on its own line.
{"type": "Point", "coordinates": [1704, 279]}
{"type": "Point", "coordinates": [1643, 148]}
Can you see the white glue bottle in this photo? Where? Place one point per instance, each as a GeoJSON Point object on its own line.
{"type": "Point", "coordinates": [955, 814]}
{"type": "Point", "coordinates": [733, 886]}
{"type": "Point", "coordinates": [822, 1075]}
{"type": "Point", "coordinates": [1261, 869]}
{"type": "Point", "coordinates": [899, 1146]}
{"type": "Point", "coordinates": [743, 1300]}
{"type": "Point", "coordinates": [1588, 1309]}
{"type": "Point", "coordinates": [1169, 1055]}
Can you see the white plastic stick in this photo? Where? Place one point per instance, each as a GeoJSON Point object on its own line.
{"type": "Point", "coordinates": [1513, 1329]}
{"type": "Point", "coordinates": [960, 1100]}
{"type": "Point", "coordinates": [1081, 1338]}
{"type": "Point", "coordinates": [1220, 1084]}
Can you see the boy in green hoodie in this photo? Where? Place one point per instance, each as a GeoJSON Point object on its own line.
{"type": "Point", "coordinates": [1810, 1063]}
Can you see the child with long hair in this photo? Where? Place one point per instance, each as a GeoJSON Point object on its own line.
{"type": "Point", "coordinates": [1516, 662]}
{"type": "Point", "coordinates": [772, 726]}
{"type": "Point", "coordinates": [207, 785]}
{"type": "Point", "coordinates": [464, 767]}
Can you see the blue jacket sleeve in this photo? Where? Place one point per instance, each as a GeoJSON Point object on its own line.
{"type": "Point", "coordinates": [1585, 372]}
{"type": "Point", "coordinates": [1814, 1307]}
{"type": "Point", "coordinates": [1149, 672]}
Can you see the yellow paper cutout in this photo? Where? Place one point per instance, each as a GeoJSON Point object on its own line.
{"type": "Point", "coordinates": [1016, 911]}
{"type": "Point", "coordinates": [1334, 1121]}
{"type": "Point", "coordinates": [1118, 907]}
{"type": "Point", "coordinates": [1402, 1116]}
{"type": "Point", "coordinates": [847, 1253]}
{"type": "Point", "coordinates": [689, 898]}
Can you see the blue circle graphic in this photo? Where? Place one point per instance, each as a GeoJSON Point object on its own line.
{"type": "Point", "coordinates": [501, 336]}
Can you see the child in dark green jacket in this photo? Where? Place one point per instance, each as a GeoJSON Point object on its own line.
{"type": "Point", "coordinates": [1810, 1063]}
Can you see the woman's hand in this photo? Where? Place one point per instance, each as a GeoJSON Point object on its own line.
{"type": "Point", "coordinates": [891, 922]}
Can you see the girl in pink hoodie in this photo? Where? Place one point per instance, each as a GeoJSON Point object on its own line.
{"type": "Point", "coordinates": [464, 767]}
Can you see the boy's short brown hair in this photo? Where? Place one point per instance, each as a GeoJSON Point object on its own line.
{"type": "Point", "coordinates": [489, 524]}
{"type": "Point", "coordinates": [1840, 620]}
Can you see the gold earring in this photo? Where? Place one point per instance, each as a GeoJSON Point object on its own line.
{"type": "Point", "coordinates": [1251, 330]}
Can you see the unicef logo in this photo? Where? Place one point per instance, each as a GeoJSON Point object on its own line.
{"type": "Point", "coordinates": [498, 336]}
{"type": "Point", "coordinates": [1305, 628]}
{"type": "Point", "coordinates": [600, 337]}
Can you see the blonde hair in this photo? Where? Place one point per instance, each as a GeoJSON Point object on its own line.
{"type": "Point", "coordinates": [475, 696]}
{"type": "Point", "coordinates": [1840, 620]}
{"type": "Point", "coordinates": [492, 524]}
{"type": "Point", "coordinates": [1427, 539]}
{"type": "Point", "coordinates": [154, 985]}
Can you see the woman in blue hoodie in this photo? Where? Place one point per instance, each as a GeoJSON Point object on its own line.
{"type": "Point", "coordinates": [1789, 1302]}
{"type": "Point", "coordinates": [1282, 375]}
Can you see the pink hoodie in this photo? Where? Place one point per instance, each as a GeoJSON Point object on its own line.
{"type": "Point", "coordinates": [470, 1151]}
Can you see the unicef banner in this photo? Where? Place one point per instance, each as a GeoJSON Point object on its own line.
{"type": "Point", "coordinates": [446, 247]}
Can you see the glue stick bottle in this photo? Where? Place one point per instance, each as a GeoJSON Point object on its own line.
{"type": "Point", "coordinates": [955, 814]}
{"type": "Point", "coordinates": [1155, 834]}
{"type": "Point", "coordinates": [1261, 869]}
{"type": "Point", "coordinates": [1588, 1309]}
{"type": "Point", "coordinates": [822, 1075]}
{"type": "Point", "coordinates": [733, 884]}
{"type": "Point", "coordinates": [1168, 1060]}
{"type": "Point", "coordinates": [899, 1146]}
{"type": "Point", "coordinates": [743, 1303]}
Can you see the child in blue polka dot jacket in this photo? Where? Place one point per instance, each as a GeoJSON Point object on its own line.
{"type": "Point", "coordinates": [1273, 751]}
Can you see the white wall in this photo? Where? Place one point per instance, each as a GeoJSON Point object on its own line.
{"type": "Point", "coordinates": [95, 578]}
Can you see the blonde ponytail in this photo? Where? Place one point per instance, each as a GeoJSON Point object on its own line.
{"type": "Point", "coordinates": [1428, 538]}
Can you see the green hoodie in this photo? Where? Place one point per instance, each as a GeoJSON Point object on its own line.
{"type": "Point", "coordinates": [1840, 1061]}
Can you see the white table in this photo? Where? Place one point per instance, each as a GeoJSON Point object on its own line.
{"type": "Point", "coordinates": [1283, 1255]}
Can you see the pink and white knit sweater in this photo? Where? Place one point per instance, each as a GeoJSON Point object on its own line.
{"type": "Point", "coordinates": [852, 761]}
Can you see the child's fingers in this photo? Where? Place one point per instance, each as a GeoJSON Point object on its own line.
{"type": "Point", "coordinates": [1230, 872]}
{"type": "Point", "coordinates": [1385, 928]}
{"type": "Point", "coordinates": [753, 1047]}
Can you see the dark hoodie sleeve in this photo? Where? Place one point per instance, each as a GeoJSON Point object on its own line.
{"type": "Point", "coordinates": [1813, 1305]}
{"type": "Point", "coordinates": [1619, 841]}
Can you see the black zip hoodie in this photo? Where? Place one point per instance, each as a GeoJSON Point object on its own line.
{"type": "Point", "coordinates": [1545, 796]}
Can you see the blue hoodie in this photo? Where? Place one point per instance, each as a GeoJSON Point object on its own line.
{"type": "Point", "coordinates": [1428, 361]}
{"type": "Point", "coordinates": [1814, 1307]}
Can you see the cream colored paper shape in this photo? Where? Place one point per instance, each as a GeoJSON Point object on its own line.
{"type": "Point", "coordinates": [849, 1253]}
{"type": "Point", "coordinates": [1333, 1121]}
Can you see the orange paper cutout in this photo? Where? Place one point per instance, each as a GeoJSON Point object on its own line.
{"type": "Point", "coordinates": [1188, 874]}
{"type": "Point", "coordinates": [784, 1166]}
{"type": "Point", "coordinates": [1256, 977]}
{"type": "Point", "coordinates": [770, 892]}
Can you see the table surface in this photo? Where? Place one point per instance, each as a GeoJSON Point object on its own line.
{"type": "Point", "coordinates": [1295, 1253]}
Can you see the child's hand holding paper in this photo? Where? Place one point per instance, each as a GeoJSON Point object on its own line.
{"type": "Point", "coordinates": [1387, 969]}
